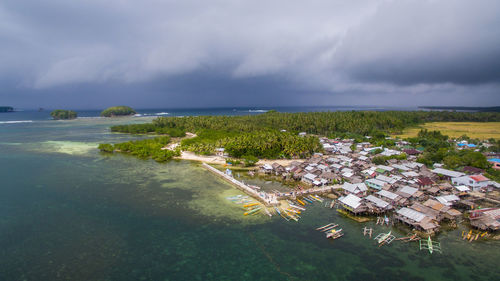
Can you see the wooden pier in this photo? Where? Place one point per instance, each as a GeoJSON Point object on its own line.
{"type": "Point", "coordinates": [266, 198]}
{"type": "Point", "coordinates": [269, 199]}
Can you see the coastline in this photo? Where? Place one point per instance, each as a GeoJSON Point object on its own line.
{"type": "Point", "coordinates": [211, 159]}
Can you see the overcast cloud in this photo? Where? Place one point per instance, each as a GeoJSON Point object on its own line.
{"type": "Point", "coordinates": [152, 53]}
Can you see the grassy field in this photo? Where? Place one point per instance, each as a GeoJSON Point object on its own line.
{"type": "Point", "coordinates": [479, 130]}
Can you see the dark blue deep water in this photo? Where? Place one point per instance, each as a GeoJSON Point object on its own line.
{"type": "Point", "coordinates": [68, 212]}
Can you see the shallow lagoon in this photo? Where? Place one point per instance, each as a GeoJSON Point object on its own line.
{"type": "Point", "coordinates": [70, 213]}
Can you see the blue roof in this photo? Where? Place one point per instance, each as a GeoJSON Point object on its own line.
{"type": "Point", "coordinates": [461, 144]}
{"type": "Point", "coordinates": [471, 145]}
{"type": "Point", "coordinates": [494, 160]}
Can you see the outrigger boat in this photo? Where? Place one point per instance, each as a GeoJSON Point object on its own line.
{"type": "Point", "coordinates": [296, 207]}
{"type": "Point", "coordinates": [267, 212]}
{"type": "Point", "coordinates": [252, 211]}
{"type": "Point", "coordinates": [384, 238]}
{"type": "Point", "coordinates": [324, 226]}
{"type": "Point", "coordinates": [307, 200]}
{"type": "Point", "coordinates": [292, 216]}
{"type": "Point", "coordinates": [301, 202]}
{"type": "Point", "coordinates": [334, 233]}
{"type": "Point", "coordinates": [250, 205]}
{"type": "Point", "coordinates": [293, 211]}
{"type": "Point", "coordinates": [318, 198]}
{"type": "Point", "coordinates": [430, 245]}
{"type": "Point", "coordinates": [329, 228]}
{"type": "Point", "coordinates": [237, 197]}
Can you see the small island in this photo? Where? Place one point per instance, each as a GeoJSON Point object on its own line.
{"type": "Point", "coordinates": [118, 111]}
{"type": "Point", "coordinates": [61, 114]}
{"type": "Point", "coordinates": [6, 109]}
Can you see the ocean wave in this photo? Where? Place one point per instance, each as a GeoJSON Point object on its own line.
{"type": "Point", "coordinates": [15, 122]}
{"type": "Point", "coordinates": [257, 110]}
{"type": "Point", "coordinates": [162, 113]}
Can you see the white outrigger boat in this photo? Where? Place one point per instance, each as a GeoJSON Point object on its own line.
{"type": "Point", "coordinates": [430, 245]}
{"type": "Point", "coordinates": [384, 238]}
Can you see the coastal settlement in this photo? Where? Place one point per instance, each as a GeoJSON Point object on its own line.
{"type": "Point", "coordinates": [404, 190]}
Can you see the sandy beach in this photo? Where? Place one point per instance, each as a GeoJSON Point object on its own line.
{"type": "Point", "coordinates": [212, 159]}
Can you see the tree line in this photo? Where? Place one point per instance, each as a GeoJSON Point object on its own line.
{"type": "Point", "coordinates": [146, 148]}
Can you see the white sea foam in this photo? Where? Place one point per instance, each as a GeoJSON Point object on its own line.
{"type": "Point", "coordinates": [15, 122]}
{"type": "Point", "coordinates": [162, 113]}
{"type": "Point", "coordinates": [257, 110]}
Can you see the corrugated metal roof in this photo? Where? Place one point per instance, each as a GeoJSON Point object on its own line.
{"type": "Point", "coordinates": [446, 199]}
{"type": "Point", "coordinates": [386, 179]}
{"type": "Point", "coordinates": [310, 176]}
{"type": "Point", "coordinates": [448, 173]}
{"type": "Point", "coordinates": [400, 167]}
{"type": "Point", "coordinates": [383, 167]}
{"type": "Point", "coordinates": [354, 188]}
{"type": "Point", "coordinates": [350, 200]}
{"type": "Point", "coordinates": [479, 178]}
{"type": "Point", "coordinates": [462, 188]}
{"type": "Point", "coordinates": [376, 182]}
{"type": "Point", "coordinates": [379, 202]}
{"type": "Point", "coordinates": [387, 194]}
{"type": "Point", "coordinates": [408, 190]}
{"type": "Point", "coordinates": [495, 213]}
{"type": "Point", "coordinates": [411, 214]}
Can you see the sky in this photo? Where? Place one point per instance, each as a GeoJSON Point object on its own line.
{"type": "Point", "coordinates": [85, 54]}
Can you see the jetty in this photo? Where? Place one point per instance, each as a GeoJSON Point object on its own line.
{"type": "Point", "coordinates": [266, 198]}
{"type": "Point", "coordinates": [272, 199]}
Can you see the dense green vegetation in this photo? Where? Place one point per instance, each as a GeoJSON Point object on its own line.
{"type": "Point", "coordinates": [262, 136]}
{"type": "Point", "coordinates": [437, 149]}
{"type": "Point", "coordinates": [6, 109]}
{"type": "Point", "coordinates": [322, 123]}
{"type": "Point", "coordinates": [117, 111]}
{"type": "Point", "coordinates": [147, 148]}
{"type": "Point", "coordinates": [148, 128]}
{"type": "Point", "coordinates": [261, 144]}
{"type": "Point", "coordinates": [60, 114]}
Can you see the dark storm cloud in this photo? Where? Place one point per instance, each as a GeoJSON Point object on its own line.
{"type": "Point", "coordinates": [233, 52]}
{"type": "Point", "coordinates": [426, 42]}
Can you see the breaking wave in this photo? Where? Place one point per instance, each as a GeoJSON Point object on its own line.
{"type": "Point", "coordinates": [15, 122]}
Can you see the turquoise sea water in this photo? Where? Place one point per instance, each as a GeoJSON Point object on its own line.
{"type": "Point", "coordinates": [69, 213]}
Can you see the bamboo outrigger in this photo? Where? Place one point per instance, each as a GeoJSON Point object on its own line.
{"type": "Point", "coordinates": [252, 211]}
{"type": "Point", "coordinates": [384, 238]}
{"type": "Point", "coordinates": [367, 231]}
{"type": "Point", "coordinates": [430, 245]}
{"type": "Point", "coordinates": [329, 228]}
{"type": "Point", "coordinates": [324, 226]}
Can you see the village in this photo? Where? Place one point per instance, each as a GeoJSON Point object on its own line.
{"type": "Point", "coordinates": [403, 191]}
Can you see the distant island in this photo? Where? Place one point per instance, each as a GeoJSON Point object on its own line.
{"type": "Point", "coordinates": [463, 108]}
{"type": "Point", "coordinates": [117, 111]}
{"type": "Point", "coordinates": [61, 114]}
{"type": "Point", "coordinates": [6, 109]}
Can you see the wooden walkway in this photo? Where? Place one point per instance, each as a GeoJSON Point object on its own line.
{"type": "Point", "coordinates": [269, 199]}
{"type": "Point", "coordinates": [266, 198]}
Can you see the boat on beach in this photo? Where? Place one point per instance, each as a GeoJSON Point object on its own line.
{"type": "Point", "coordinates": [252, 211]}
